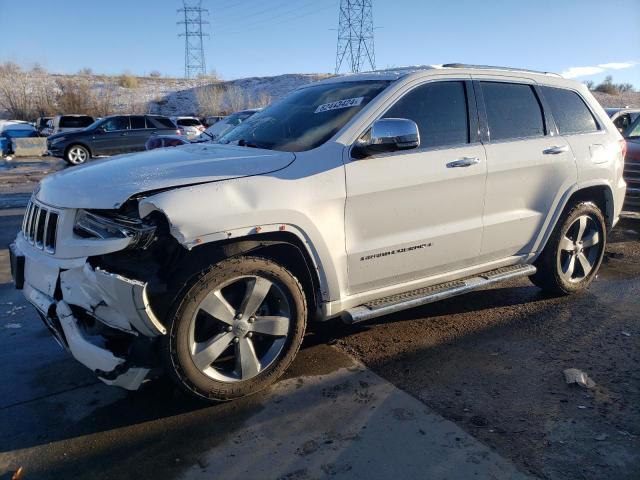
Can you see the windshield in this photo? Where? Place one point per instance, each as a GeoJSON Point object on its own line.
{"type": "Point", "coordinates": [634, 130]}
{"type": "Point", "coordinates": [95, 124]}
{"type": "Point", "coordinates": [306, 118]}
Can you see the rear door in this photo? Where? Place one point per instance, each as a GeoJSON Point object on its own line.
{"type": "Point", "coordinates": [594, 149]}
{"type": "Point", "coordinates": [138, 134]}
{"type": "Point", "coordinates": [529, 166]}
{"type": "Point", "coordinates": [416, 213]}
{"type": "Point", "coordinates": [112, 138]}
{"type": "Point", "coordinates": [161, 125]}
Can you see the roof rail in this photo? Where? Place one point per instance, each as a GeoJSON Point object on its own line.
{"type": "Point", "coordinates": [491, 67]}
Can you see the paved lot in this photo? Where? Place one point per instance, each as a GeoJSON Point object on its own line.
{"type": "Point", "coordinates": [468, 388]}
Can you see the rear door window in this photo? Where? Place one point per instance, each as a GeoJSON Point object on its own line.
{"type": "Point", "coordinates": [513, 111]}
{"type": "Point", "coordinates": [440, 111]}
{"type": "Point", "coordinates": [160, 122]}
{"type": "Point", "coordinates": [137, 122]}
{"type": "Point", "coordinates": [569, 111]}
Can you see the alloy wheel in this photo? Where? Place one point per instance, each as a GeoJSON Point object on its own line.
{"type": "Point", "coordinates": [77, 155]}
{"type": "Point", "coordinates": [239, 328]}
{"type": "Point", "coordinates": [580, 249]}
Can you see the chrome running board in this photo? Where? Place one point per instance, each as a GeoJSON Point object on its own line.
{"type": "Point", "coordinates": [422, 296]}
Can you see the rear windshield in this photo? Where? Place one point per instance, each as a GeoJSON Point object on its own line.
{"type": "Point", "coordinates": [189, 122]}
{"type": "Point", "coordinates": [305, 118]}
{"type": "Point", "coordinates": [75, 122]}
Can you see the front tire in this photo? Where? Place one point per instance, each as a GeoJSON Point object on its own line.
{"type": "Point", "coordinates": [573, 254]}
{"type": "Point", "coordinates": [236, 329]}
{"type": "Point", "coordinates": [77, 155]}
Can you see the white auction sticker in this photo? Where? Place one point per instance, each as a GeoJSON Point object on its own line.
{"type": "Point", "coordinates": [346, 103]}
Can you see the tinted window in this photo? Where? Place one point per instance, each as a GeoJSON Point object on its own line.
{"type": "Point", "coordinates": [439, 110]}
{"type": "Point", "coordinates": [75, 122]}
{"type": "Point", "coordinates": [160, 122]}
{"type": "Point", "coordinates": [569, 111]}
{"type": "Point", "coordinates": [116, 123]}
{"type": "Point", "coordinates": [513, 111]}
{"type": "Point", "coordinates": [188, 122]}
{"type": "Point", "coordinates": [137, 122]}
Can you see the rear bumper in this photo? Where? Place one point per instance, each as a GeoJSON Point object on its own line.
{"type": "Point", "coordinates": [102, 319]}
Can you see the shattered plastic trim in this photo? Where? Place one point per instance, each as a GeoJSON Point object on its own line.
{"type": "Point", "coordinates": [117, 301]}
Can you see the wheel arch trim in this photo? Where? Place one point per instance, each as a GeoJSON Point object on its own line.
{"type": "Point", "coordinates": [574, 192]}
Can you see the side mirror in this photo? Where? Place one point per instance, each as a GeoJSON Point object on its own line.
{"type": "Point", "coordinates": [388, 135]}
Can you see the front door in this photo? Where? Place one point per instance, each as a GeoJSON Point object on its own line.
{"type": "Point", "coordinates": [112, 138]}
{"type": "Point", "coordinates": [412, 214]}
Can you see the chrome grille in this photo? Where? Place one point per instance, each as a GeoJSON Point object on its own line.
{"type": "Point", "coordinates": [40, 226]}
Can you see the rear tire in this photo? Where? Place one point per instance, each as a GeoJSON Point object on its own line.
{"type": "Point", "coordinates": [573, 254]}
{"type": "Point", "coordinates": [236, 329]}
{"type": "Point", "coordinates": [77, 155]}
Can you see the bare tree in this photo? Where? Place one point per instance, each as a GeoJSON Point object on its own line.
{"type": "Point", "coordinates": [234, 98]}
{"type": "Point", "coordinates": [43, 93]}
{"type": "Point", "coordinates": [103, 99]}
{"type": "Point", "coordinates": [15, 95]}
{"type": "Point", "coordinates": [75, 96]}
{"type": "Point", "coordinates": [261, 100]}
{"type": "Point", "coordinates": [625, 87]}
{"type": "Point", "coordinates": [210, 99]}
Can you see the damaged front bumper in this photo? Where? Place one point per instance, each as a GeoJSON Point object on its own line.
{"type": "Point", "coordinates": [101, 318]}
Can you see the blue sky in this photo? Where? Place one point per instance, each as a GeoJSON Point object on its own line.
{"type": "Point", "coordinates": [269, 37]}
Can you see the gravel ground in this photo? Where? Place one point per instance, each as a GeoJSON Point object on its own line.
{"type": "Point", "coordinates": [493, 361]}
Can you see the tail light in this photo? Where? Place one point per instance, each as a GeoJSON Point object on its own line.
{"type": "Point", "coordinates": [201, 128]}
{"type": "Point", "coordinates": [623, 147]}
{"type": "Point", "coordinates": [179, 131]}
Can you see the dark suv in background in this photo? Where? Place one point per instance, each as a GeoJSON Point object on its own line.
{"type": "Point", "coordinates": [109, 136]}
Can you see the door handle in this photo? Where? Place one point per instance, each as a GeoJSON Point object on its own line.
{"type": "Point", "coordinates": [463, 162]}
{"type": "Point", "coordinates": [556, 150]}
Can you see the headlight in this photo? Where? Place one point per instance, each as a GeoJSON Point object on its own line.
{"type": "Point", "coordinates": [108, 225]}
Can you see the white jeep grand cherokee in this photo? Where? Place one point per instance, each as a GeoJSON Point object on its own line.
{"type": "Point", "coordinates": [356, 196]}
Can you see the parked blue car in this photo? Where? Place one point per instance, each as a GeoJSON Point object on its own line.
{"type": "Point", "coordinates": [9, 134]}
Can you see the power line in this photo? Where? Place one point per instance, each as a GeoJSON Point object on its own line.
{"type": "Point", "coordinates": [355, 35]}
{"type": "Point", "coordinates": [194, 60]}
{"type": "Point", "coordinates": [299, 13]}
{"type": "Point", "coordinates": [290, 14]}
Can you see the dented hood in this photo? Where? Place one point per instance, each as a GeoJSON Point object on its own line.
{"type": "Point", "coordinates": [106, 184]}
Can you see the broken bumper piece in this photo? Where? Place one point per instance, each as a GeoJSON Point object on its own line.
{"type": "Point", "coordinates": [109, 368]}
{"type": "Point", "coordinates": [85, 309]}
{"type": "Point", "coordinates": [116, 301]}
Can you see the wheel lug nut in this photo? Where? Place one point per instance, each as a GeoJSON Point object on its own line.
{"type": "Point", "coordinates": [236, 339]}
{"type": "Point", "coordinates": [250, 334]}
{"type": "Point", "coordinates": [252, 319]}
{"type": "Point", "coordinates": [229, 328]}
{"type": "Point", "coordinates": [239, 316]}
